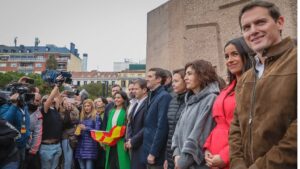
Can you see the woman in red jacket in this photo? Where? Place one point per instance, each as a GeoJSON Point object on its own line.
{"type": "Point", "coordinates": [216, 146]}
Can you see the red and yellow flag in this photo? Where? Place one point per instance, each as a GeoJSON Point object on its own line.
{"type": "Point", "coordinates": [109, 138]}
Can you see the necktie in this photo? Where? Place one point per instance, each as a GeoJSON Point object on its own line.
{"type": "Point", "coordinates": [133, 110]}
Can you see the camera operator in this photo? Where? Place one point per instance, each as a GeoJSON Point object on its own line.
{"type": "Point", "coordinates": [50, 150]}
{"type": "Point", "coordinates": [17, 114]}
{"type": "Point", "coordinates": [36, 121]}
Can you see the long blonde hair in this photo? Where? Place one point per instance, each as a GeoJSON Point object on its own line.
{"type": "Point", "coordinates": [83, 115]}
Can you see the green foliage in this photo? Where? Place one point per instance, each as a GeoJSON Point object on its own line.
{"type": "Point", "coordinates": [51, 62]}
{"type": "Point", "coordinates": [10, 77]}
{"type": "Point", "coordinates": [94, 90]}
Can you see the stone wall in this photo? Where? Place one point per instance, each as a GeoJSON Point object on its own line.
{"type": "Point", "coordinates": [180, 31]}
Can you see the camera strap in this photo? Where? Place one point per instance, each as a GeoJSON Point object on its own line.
{"type": "Point", "coordinates": [23, 126]}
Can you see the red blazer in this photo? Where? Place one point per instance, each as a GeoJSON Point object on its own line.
{"type": "Point", "coordinates": [217, 141]}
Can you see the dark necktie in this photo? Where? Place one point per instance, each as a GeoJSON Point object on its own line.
{"type": "Point", "coordinates": [133, 110]}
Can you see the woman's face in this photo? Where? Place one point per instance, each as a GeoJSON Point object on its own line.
{"type": "Point", "coordinates": [191, 79]}
{"type": "Point", "coordinates": [100, 106]}
{"type": "Point", "coordinates": [118, 100]}
{"type": "Point", "coordinates": [87, 108]}
{"type": "Point", "coordinates": [178, 84]}
{"type": "Point", "coordinates": [233, 59]}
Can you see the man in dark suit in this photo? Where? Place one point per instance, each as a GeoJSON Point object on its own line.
{"type": "Point", "coordinates": [136, 124]}
{"type": "Point", "coordinates": [156, 122]}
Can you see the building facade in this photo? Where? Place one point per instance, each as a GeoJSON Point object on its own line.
{"type": "Point", "coordinates": [181, 31]}
{"type": "Point", "coordinates": [108, 78]}
{"type": "Point", "coordinates": [32, 59]}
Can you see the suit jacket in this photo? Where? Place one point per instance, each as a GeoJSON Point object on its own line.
{"type": "Point", "coordinates": [135, 133]}
{"type": "Point", "coordinates": [136, 124]}
{"type": "Point", "coordinates": [156, 126]}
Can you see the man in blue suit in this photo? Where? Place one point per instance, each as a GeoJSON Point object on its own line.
{"type": "Point", "coordinates": [156, 122]}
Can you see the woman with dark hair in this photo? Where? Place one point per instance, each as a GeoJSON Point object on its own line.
{"type": "Point", "coordinates": [195, 122]}
{"type": "Point", "coordinates": [216, 146]}
{"type": "Point", "coordinates": [174, 111]}
{"type": "Point", "coordinates": [116, 156]}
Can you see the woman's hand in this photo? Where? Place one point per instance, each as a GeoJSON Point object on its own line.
{"type": "Point", "coordinates": [215, 161]}
{"type": "Point", "coordinates": [82, 126]}
{"type": "Point", "coordinates": [166, 164]}
{"type": "Point", "coordinates": [176, 162]}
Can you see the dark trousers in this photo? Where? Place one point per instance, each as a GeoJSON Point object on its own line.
{"type": "Point", "coordinates": [154, 167]}
{"type": "Point", "coordinates": [100, 161]}
{"type": "Point", "coordinates": [32, 161]}
{"type": "Point", "coordinates": [113, 160]}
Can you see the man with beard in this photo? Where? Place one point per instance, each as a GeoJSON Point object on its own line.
{"type": "Point", "coordinates": [36, 127]}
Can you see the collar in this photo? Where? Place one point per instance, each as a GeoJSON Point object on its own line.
{"type": "Point", "coordinates": [153, 92]}
{"type": "Point", "coordinates": [274, 52]}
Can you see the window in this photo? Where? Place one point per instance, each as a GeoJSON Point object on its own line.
{"type": "Point", "coordinates": [38, 65]}
{"type": "Point", "coordinates": [78, 83]}
{"type": "Point", "coordinates": [85, 82]}
{"type": "Point", "coordinates": [2, 64]}
{"type": "Point", "coordinates": [123, 83]}
{"type": "Point", "coordinates": [40, 58]}
{"type": "Point", "coordinates": [92, 81]}
{"type": "Point", "coordinates": [13, 65]}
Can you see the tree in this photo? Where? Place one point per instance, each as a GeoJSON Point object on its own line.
{"type": "Point", "coordinates": [94, 89]}
{"type": "Point", "coordinates": [51, 63]}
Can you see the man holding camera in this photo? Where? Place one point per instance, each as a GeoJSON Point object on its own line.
{"type": "Point", "coordinates": [50, 150]}
{"type": "Point", "coordinates": [17, 114]}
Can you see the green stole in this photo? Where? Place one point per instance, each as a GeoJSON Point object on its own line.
{"type": "Point", "coordinates": [123, 156]}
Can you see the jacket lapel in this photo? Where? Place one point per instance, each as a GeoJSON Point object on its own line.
{"type": "Point", "coordinates": [139, 108]}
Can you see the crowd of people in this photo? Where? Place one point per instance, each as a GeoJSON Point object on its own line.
{"type": "Point", "coordinates": [188, 119]}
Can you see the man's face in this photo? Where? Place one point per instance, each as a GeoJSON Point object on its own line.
{"type": "Point", "coordinates": [131, 90]}
{"type": "Point", "coordinates": [152, 81]}
{"type": "Point", "coordinates": [260, 30]}
{"type": "Point", "coordinates": [139, 92]}
{"type": "Point", "coordinates": [37, 99]}
{"type": "Point", "coordinates": [114, 90]}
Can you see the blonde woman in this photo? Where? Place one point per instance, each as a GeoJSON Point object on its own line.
{"type": "Point", "coordinates": [86, 150]}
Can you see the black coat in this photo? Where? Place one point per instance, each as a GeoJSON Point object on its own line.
{"type": "Point", "coordinates": [176, 106]}
{"type": "Point", "coordinates": [135, 133]}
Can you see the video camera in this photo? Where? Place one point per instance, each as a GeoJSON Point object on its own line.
{"type": "Point", "coordinates": [24, 90]}
{"type": "Point", "coordinates": [49, 76]}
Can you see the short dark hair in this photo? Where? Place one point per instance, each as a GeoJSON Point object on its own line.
{"type": "Point", "coordinates": [181, 72]}
{"type": "Point", "coordinates": [116, 85]}
{"type": "Point", "coordinates": [244, 51]}
{"type": "Point", "coordinates": [141, 82]}
{"type": "Point", "coordinates": [159, 72]}
{"type": "Point", "coordinates": [205, 71]}
{"type": "Point", "coordinates": [168, 73]}
{"type": "Point", "coordinates": [103, 100]}
{"type": "Point", "coordinates": [131, 82]}
{"type": "Point", "coordinates": [271, 7]}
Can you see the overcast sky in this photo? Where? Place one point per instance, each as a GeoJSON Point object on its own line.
{"type": "Point", "coordinates": [108, 30]}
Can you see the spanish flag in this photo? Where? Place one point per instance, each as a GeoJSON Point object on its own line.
{"type": "Point", "coordinates": [109, 138]}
